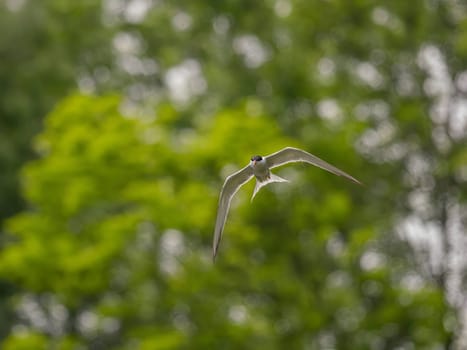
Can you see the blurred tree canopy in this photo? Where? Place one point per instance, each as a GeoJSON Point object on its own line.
{"type": "Point", "coordinates": [152, 103]}
{"type": "Point", "coordinates": [121, 227]}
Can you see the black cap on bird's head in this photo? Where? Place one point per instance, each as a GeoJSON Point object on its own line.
{"type": "Point", "coordinates": [256, 159]}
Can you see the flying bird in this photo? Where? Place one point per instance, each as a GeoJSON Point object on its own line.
{"type": "Point", "coordinates": [259, 167]}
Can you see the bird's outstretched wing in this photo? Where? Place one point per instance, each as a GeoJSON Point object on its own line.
{"type": "Point", "coordinates": [291, 154]}
{"type": "Point", "coordinates": [231, 185]}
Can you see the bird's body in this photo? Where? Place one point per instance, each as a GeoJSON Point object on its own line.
{"type": "Point", "coordinates": [262, 173]}
{"type": "Point", "coordinates": [259, 167]}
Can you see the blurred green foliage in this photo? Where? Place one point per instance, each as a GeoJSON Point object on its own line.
{"type": "Point", "coordinates": [120, 231]}
{"type": "Point", "coordinates": [110, 243]}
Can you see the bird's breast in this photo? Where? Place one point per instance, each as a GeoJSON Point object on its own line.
{"type": "Point", "coordinates": [261, 172]}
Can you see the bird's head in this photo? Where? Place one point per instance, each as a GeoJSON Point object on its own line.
{"type": "Point", "coordinates": [255, 159]}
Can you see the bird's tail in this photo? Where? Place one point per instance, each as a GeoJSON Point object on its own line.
{"type": "Point", "coordinates": [260, 184]}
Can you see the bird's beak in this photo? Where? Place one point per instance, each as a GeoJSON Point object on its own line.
{"type": "Point", "coordinates": [254, 162]}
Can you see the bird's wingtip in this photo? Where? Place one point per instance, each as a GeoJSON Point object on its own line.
{"type": "Point", "coordinates": [351, 178]}
{"type": "Point", "coordinates": [359, 182]}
